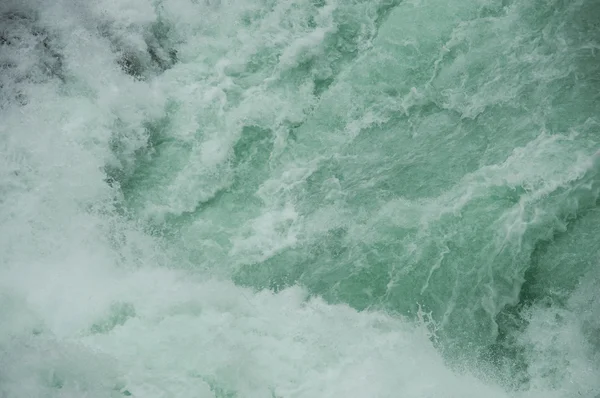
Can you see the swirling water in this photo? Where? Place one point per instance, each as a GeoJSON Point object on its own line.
{"type": "Point", "coordinates": [299, 198]}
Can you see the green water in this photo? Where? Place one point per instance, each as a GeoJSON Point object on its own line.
{"type": "Point", "coordinates": [415, 153]}
{"type": "Point", "coordinates": [433, 163]}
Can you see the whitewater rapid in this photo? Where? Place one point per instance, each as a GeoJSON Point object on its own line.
{"type": "Point", "coordinates": [299, 198]}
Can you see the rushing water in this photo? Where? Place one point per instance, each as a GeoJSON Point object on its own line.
{"type": "Point", "coordinates": [300, 198]}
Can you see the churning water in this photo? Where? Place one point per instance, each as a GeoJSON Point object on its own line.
{"type": "Point", "coordinates": [300, 198]}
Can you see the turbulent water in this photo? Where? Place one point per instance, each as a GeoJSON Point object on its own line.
{"type": "Point", "coordinates": [300, 198]}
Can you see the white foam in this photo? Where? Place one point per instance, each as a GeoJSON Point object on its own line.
{"type": "Point", "coordinates": [188, 333]}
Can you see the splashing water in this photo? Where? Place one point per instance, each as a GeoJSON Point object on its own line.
{"type": "Point", "coordinates": [299, 198]}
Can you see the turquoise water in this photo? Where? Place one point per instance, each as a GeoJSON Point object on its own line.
{"type": "Point", "coordinates": [299, 198]}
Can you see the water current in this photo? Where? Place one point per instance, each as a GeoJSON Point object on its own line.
{"type": "Point", "coordinates": [300, 198]}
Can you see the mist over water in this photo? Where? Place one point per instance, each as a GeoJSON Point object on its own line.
{"type": "Point", "coordinates": [299, 198]}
